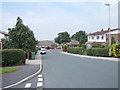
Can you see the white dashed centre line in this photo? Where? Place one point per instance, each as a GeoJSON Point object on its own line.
{"type": "Point", "coordinates": [28, 85]}
{"type": "Point", "coordinates": [39, 84]}
{"type": "Point", "coordinates": [40, 79]}
{"type": "Point", "coordinates": [40, 76]}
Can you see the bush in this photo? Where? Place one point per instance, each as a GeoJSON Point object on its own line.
{"type": "Point", "coordinates": [64, 47]}
{"type": "Point", "coordinates": [95, 45]}
{"type": "Point", "coordinates": [76, 50]}
{"type": "Point", "coordinates": [84, 46]}
{"type": "Point", "coordinates": [98, 52]}
{"type": "Point", "coordinates": [12, 57]}
{"type": "Point", "coordinates": [115, 50]}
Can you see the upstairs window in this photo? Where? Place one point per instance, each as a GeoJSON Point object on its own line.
{"type": "Point", "coordinates": [89, 37]}
{"type": "Point", "coordinates": [97, 37]}
{"type": "Point", "coordinates": [102, 37]}
{"type": "Point", "coordinates": [92, 37]}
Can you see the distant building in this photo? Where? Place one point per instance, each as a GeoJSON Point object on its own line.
{"type": "Point", "coordinates": [47, 44]}
{"type": "Point", "coordinates": [102, 37]}
{"type": "Point", "coordinates": [73, 43]}
{"type": "Point", "coordinates": [3, 35]}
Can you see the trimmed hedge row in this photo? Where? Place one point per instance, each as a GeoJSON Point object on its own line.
{"type": "Point", "coordinates": [76, 50]}
{"type": "Point", "coordinates": [115, 50]}
{"type": "Point", "coordinates": [98, 52]}
{"type": "Point", "coordinates": [12, 57]}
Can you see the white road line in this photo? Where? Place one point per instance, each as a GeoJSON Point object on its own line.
{"type": "Point", "coordinates": [39, 84]}
{"type": "Point", "coordinates": [25, 79]}
{"type": "Point", "coordinates": [40, 75]}
{"type": "Point", "coordinates": [28, 85]}
{"type": "Point", "coordinates": [40, 79]}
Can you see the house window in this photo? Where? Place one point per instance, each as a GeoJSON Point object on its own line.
{"type": "Point", "coordinates": [89, 37]}
{"type": "Point", "coordinates": [92, 37]}
{"type": "Point", "coordinates": [102, 37]}
{"type": "Point", "coordinates": [97, 37]}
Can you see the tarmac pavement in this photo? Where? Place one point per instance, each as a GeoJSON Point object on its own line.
{"type": "Point", "coordinates": [31, 67]}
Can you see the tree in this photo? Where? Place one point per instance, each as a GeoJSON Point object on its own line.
{"type": "Point", "coordinates": [80, 36]}
{"type": "Point", "coordinates": [113, 41]}
{"type": "Point", "coordinates": [22, 37]}
{"type": "Point", "coordinates": [6, 44]}
{"type": "Point", "coordinates": [63, 37]}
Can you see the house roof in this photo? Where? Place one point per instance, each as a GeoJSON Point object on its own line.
{"type": "Point", "coordinates": [2, 32]}
{"type": "Point", "coordinates": [103, 32]}
{"type": "Point", "coordinates": [46, 43]}
{"type": "Point", "coordinates": [73, 42]}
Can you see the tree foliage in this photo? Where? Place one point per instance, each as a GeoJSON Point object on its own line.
{"type": "Point", "coordinates": [63, 37]}
{"type": "Point", "coordinates": [113, 41]}
{"type": "Point", "coordinates": [80, 36]}
{"type": "Point", "coordinates": [6, 44]}
{"type": "Point", "coordinates": [22, 37]}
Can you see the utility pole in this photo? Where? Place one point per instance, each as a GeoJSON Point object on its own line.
{"type": "Point", "coordinates": [109, 29]}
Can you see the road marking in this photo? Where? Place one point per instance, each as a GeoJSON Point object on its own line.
{"type": "Point", "coordinates": [25, 79]}
{"type": "Point", "coordinates": [40, 75]}
{"type": "Point", "coordinates": [40, 79]}
{"type": "Point", "coordinates": [39, 84]}
{"type": "Point", "coordinates": [28, 85]}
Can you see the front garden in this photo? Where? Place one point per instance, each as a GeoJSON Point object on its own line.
{"type": "Point", "coordinates": [8, 70]}
{"type": "Point", "coordinates": [95, 50]}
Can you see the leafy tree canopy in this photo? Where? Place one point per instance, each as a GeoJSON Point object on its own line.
{"type": "Point", "coordinates": [22, 37]}
{"type": "Point", "coordinates": [80, 36]}
{"type": "Point", "coordinates": [113, 41]}
{"type": "Point", "coordinates": [63, 37]}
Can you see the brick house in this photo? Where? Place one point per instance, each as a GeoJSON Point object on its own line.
{"type": "Point", "coordinates": [3, 35]}
{"type": "Point", "coordinates": [102, 37]}
{"type": "Point", "coordinates": [73, 43]}
{"type": "Point", "coordinates": [46, 44]}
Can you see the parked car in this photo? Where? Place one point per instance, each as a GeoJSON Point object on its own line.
{"type": "Point", "coordinates": [42, 51]}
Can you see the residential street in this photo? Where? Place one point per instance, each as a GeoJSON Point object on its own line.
{"type": "Point", "coordinates": [65, 71]}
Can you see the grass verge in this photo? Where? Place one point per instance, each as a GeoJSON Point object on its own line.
{"type": "Point", "coordinates": [8, 70]}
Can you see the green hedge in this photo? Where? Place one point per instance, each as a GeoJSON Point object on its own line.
{"type": "Point", "coordinates": [115, 50]}
{"type": "Point", "coordinates": [76, 50]}
{"type": "Point", "coordinates": [95, 45]}
{"type": "Point", "coordinates": [12, 57]}
{"type": "Point", "coordinates": [98, 52]}
{"type": "Point", "coordinates": [84, 46]}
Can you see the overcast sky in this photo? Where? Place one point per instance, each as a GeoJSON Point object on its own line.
{"type": "Point", "coordinates": [47, 19]}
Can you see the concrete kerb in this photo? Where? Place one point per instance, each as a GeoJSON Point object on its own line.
{"type": "Point", "coordinates": [27, 78]}
{"type": "Point", "coordinates": [103, 58]}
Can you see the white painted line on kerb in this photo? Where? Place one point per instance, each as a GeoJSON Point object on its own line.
{"type": "Point", "coordinates": [28, 85]}
{"type": "Point", "coordinates": [39, 84]}
{"type": "Point", "coordinates": [25, 79]}
{"type": "Point", "coordinates": [40, 76]}
{"type": "Point", "coordinates": [40, 79]}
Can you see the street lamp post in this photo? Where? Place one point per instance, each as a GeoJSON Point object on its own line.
{"type": "Point", "coordinates": [109, 29]}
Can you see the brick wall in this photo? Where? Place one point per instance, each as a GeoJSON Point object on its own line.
{"type": "Point", "coordinates": [116, 36]}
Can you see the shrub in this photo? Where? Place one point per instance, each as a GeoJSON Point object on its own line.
{"type": "Point", "coordinates": [95, 45]}
{"type": "Point", "coordinates": [64, 47]}
{"type": "Point", "coordinates": [36, 50]}
{"type": "Point", "coordinates": [76, 50]}
{"type": "Point", "coordinates": [115, 50]}
{"type": "Point", "coordinates": [98, 52]}
{"type": "Point", "coordinates": [84, 46]}
{"type": "Point", "coordinates": [12, 57]}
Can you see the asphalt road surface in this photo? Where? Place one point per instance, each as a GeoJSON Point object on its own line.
{"type": "Point", "coordinates": [65, 71]}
